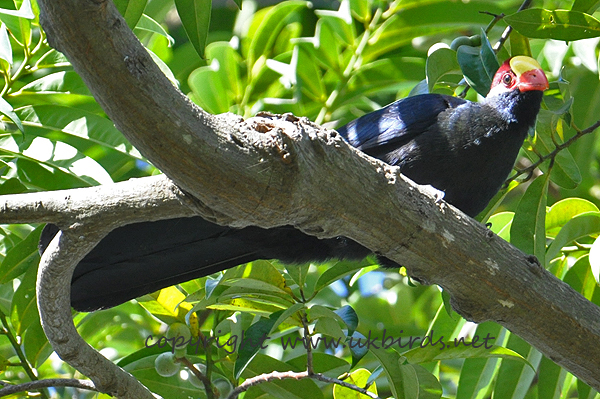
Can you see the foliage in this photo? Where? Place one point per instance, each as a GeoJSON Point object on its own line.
{"type": "Point", "coordinates": [330, 65]}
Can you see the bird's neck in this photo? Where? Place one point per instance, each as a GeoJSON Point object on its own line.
{"type": "Point", "coordinates": [516, 107]}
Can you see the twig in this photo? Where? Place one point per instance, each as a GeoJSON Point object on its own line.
{"type": "Point", "coordinates": [205, 381]}
{"type": "Point", "coordinates": [54, 382]}
{"type": "Point", "coordinates": [508, 29]}
{"type": "Point", "coordinates": [309, 356]}
{"type": "Point", "coordinates": [552, 155]}
{"type": "Point", "coordinates": [17, 348]}
{"type": "Point", "coordinates": [278, 375]}
{"type": "Point", "coordinates": [503, 37]}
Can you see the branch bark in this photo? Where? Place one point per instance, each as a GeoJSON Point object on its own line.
{"type": "Point", "coordinates": [85, 217]}
{"type": "Point", "coordinates": [304, 182]}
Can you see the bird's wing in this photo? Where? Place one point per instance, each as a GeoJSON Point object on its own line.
{"type": "Point", "coordinates": [398, 122]}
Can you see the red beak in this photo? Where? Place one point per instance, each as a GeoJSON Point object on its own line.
{"type": "Point", "coordinates": [534, 79]}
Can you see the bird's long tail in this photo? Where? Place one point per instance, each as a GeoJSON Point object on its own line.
{"type": "Point", "coordinates": [141, 258]}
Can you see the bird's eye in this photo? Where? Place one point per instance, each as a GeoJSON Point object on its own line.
{"type": "Point", "coordinates": [507, 79]}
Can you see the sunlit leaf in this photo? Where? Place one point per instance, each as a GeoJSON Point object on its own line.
{"type": "Point", "coordinates": [25, 11]}
{"type": "Point", "coordinates": [440, 63]}
{"type": "Point", "coordinates": [358, 378]}
{"type": "Point", "coordinates": [5, 46]}
{"type": "Point", "coordinates": [528, 231]}
{"type": "Point", "coordinates": [148, 24]}
{"type": "Point", "coordinates": [195, 17]}
{"type": "Point", "coordinates": [580, 226]}
{"type": "Point", "coordinates": [131, 10]}
{"type": "Point", "coordinates": [554, 24]}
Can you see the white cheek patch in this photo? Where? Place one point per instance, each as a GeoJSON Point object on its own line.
{"type": "Point", "coordinates": [498, 89]}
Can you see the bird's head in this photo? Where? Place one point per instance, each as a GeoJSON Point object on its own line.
{"type": "Point", "coordinates": [520, 72]}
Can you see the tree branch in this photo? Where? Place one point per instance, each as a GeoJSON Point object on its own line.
{"type": "Point", "coordinates": [85, 216]}
{"type": "Point", "coordinates": [552, 155]}
{"type": "Point", "coordinates": [279, 375]}
{"type": "Point", "coordinates": [39, 384]}
{"type": "Point", "coordinates": [214, 158]}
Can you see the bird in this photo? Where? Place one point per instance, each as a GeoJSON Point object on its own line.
{"type": "Point", "coordinates": [464, 149]}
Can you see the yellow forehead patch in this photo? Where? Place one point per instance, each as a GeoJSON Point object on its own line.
{"type": "Point", "coordinates": [521, 64]}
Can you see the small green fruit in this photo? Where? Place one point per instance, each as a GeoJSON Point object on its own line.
{"type": "Point", "coordinates": [179, 336]}
{"type": "Point", "coordinates": [460, 41]}
{"type": "Point", "coordinates": [165, 364]}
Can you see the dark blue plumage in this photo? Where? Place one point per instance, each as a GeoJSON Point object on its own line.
{"type": "Point", "coordinates": [462, 148]}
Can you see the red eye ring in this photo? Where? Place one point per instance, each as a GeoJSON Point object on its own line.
{"type": "Point", "coordinates": [507, 79]}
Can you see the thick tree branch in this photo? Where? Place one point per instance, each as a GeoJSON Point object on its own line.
{"type": "Point", "coordinates": [86, 215]}
{"type": "Point", "coordinates": [272, 172]}
{"type": "Point", "coordinates": [54, 280]}
{"type": "Point", "coordinates": [136, 200]}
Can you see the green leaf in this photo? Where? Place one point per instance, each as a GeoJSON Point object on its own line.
{"type": "Point", "coordinates": [587, 6]}
{"type": "Point", "coordinates": [255, 337]}
{"type": "Point", "coordinates": [5, 46]}
{"type": "Point", "coordinates": [25, 11]}
{"type": "Point", "coordinates": [298, 273]}
{"type": "Point", "coordinates": [595, 259]}
{"type": "Point", "coordinates": [407, 380]}
{"type": "Point", "coordinates": [323, 363]}
{"type": "Point", "coordinates": [131, 10]}
{"type": "Point", "coordinates": [429, 385]}
{"type": "Point", "coordinates": [519, 44]}
{"type": "Point", "coordinates": [439, 64]}
{"type": "Point", "coordinates": [361, 9]}
{"type": "Point", "coordinates": [528, 231]}
{"type": "Point", "coordinates": [195, 17]}
{"type": "Point", "coordinates": [501, 224]}
{"type": "Point", "coordinates": [554, 24]}
{"type": "Point", "coordinates": [427, 18]}
{"type": "Point", "coordinates": [286, 388]}
{"type": "Point", "coordinates": [515, 378]}
{"type": "Point", "coordinates": [580, 226]}
{"type": "Point", "coordinates": [357, 348]}
{"type": "Point", "coordinates": [340, 24]}
{"type": "Point", "coordinates": [564, 210]}
{"type": "Point", "coordinates": [7, 110]}
{"type": "Point", "coordinates": [403, 381]}
{"type": "Point", "coordinates": [269, 27]}
{"type": "Point", "coordinates": [329, 327]}
{"type": "Point", "coordinates": [349, 316]}
{"type": "Point", "coordinates": [19, 23]}
{"type": "Point", "coordinates": [477, 374]}
{"type": "Point", "coordinates": [35, 344]}
{"type": "Point", "coordinates": [24, 310]}
{"type": "Point", "coordinates": [551, 379]}
{"type": "Point", "coordinates": [583, 276]}
{"type": "Point", "coordinates": [479, 65]}
{"type": "Point", "coordinates": [44, 164]}
{"type": "Point", "coordinates": [168, 305]}
{"type": "Point", "coordinates": [150, 25]}
{"type": "Point", "coordinates": [565, 171]}
{"type": "Point", "coordinates": [21, 257]}
{"type": "Point", "coordinates": [90, 133]}
{"type": "Point", "coordinates": [309, 77]}
{"type": "Point", "coordinates": [337, 271]}
{"type": "Point", "coordinates": [64, 88]}
{"type": "Point", "coordinates": [451, 350]}
{"type": "Point", "coordinates": [358, 378]}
